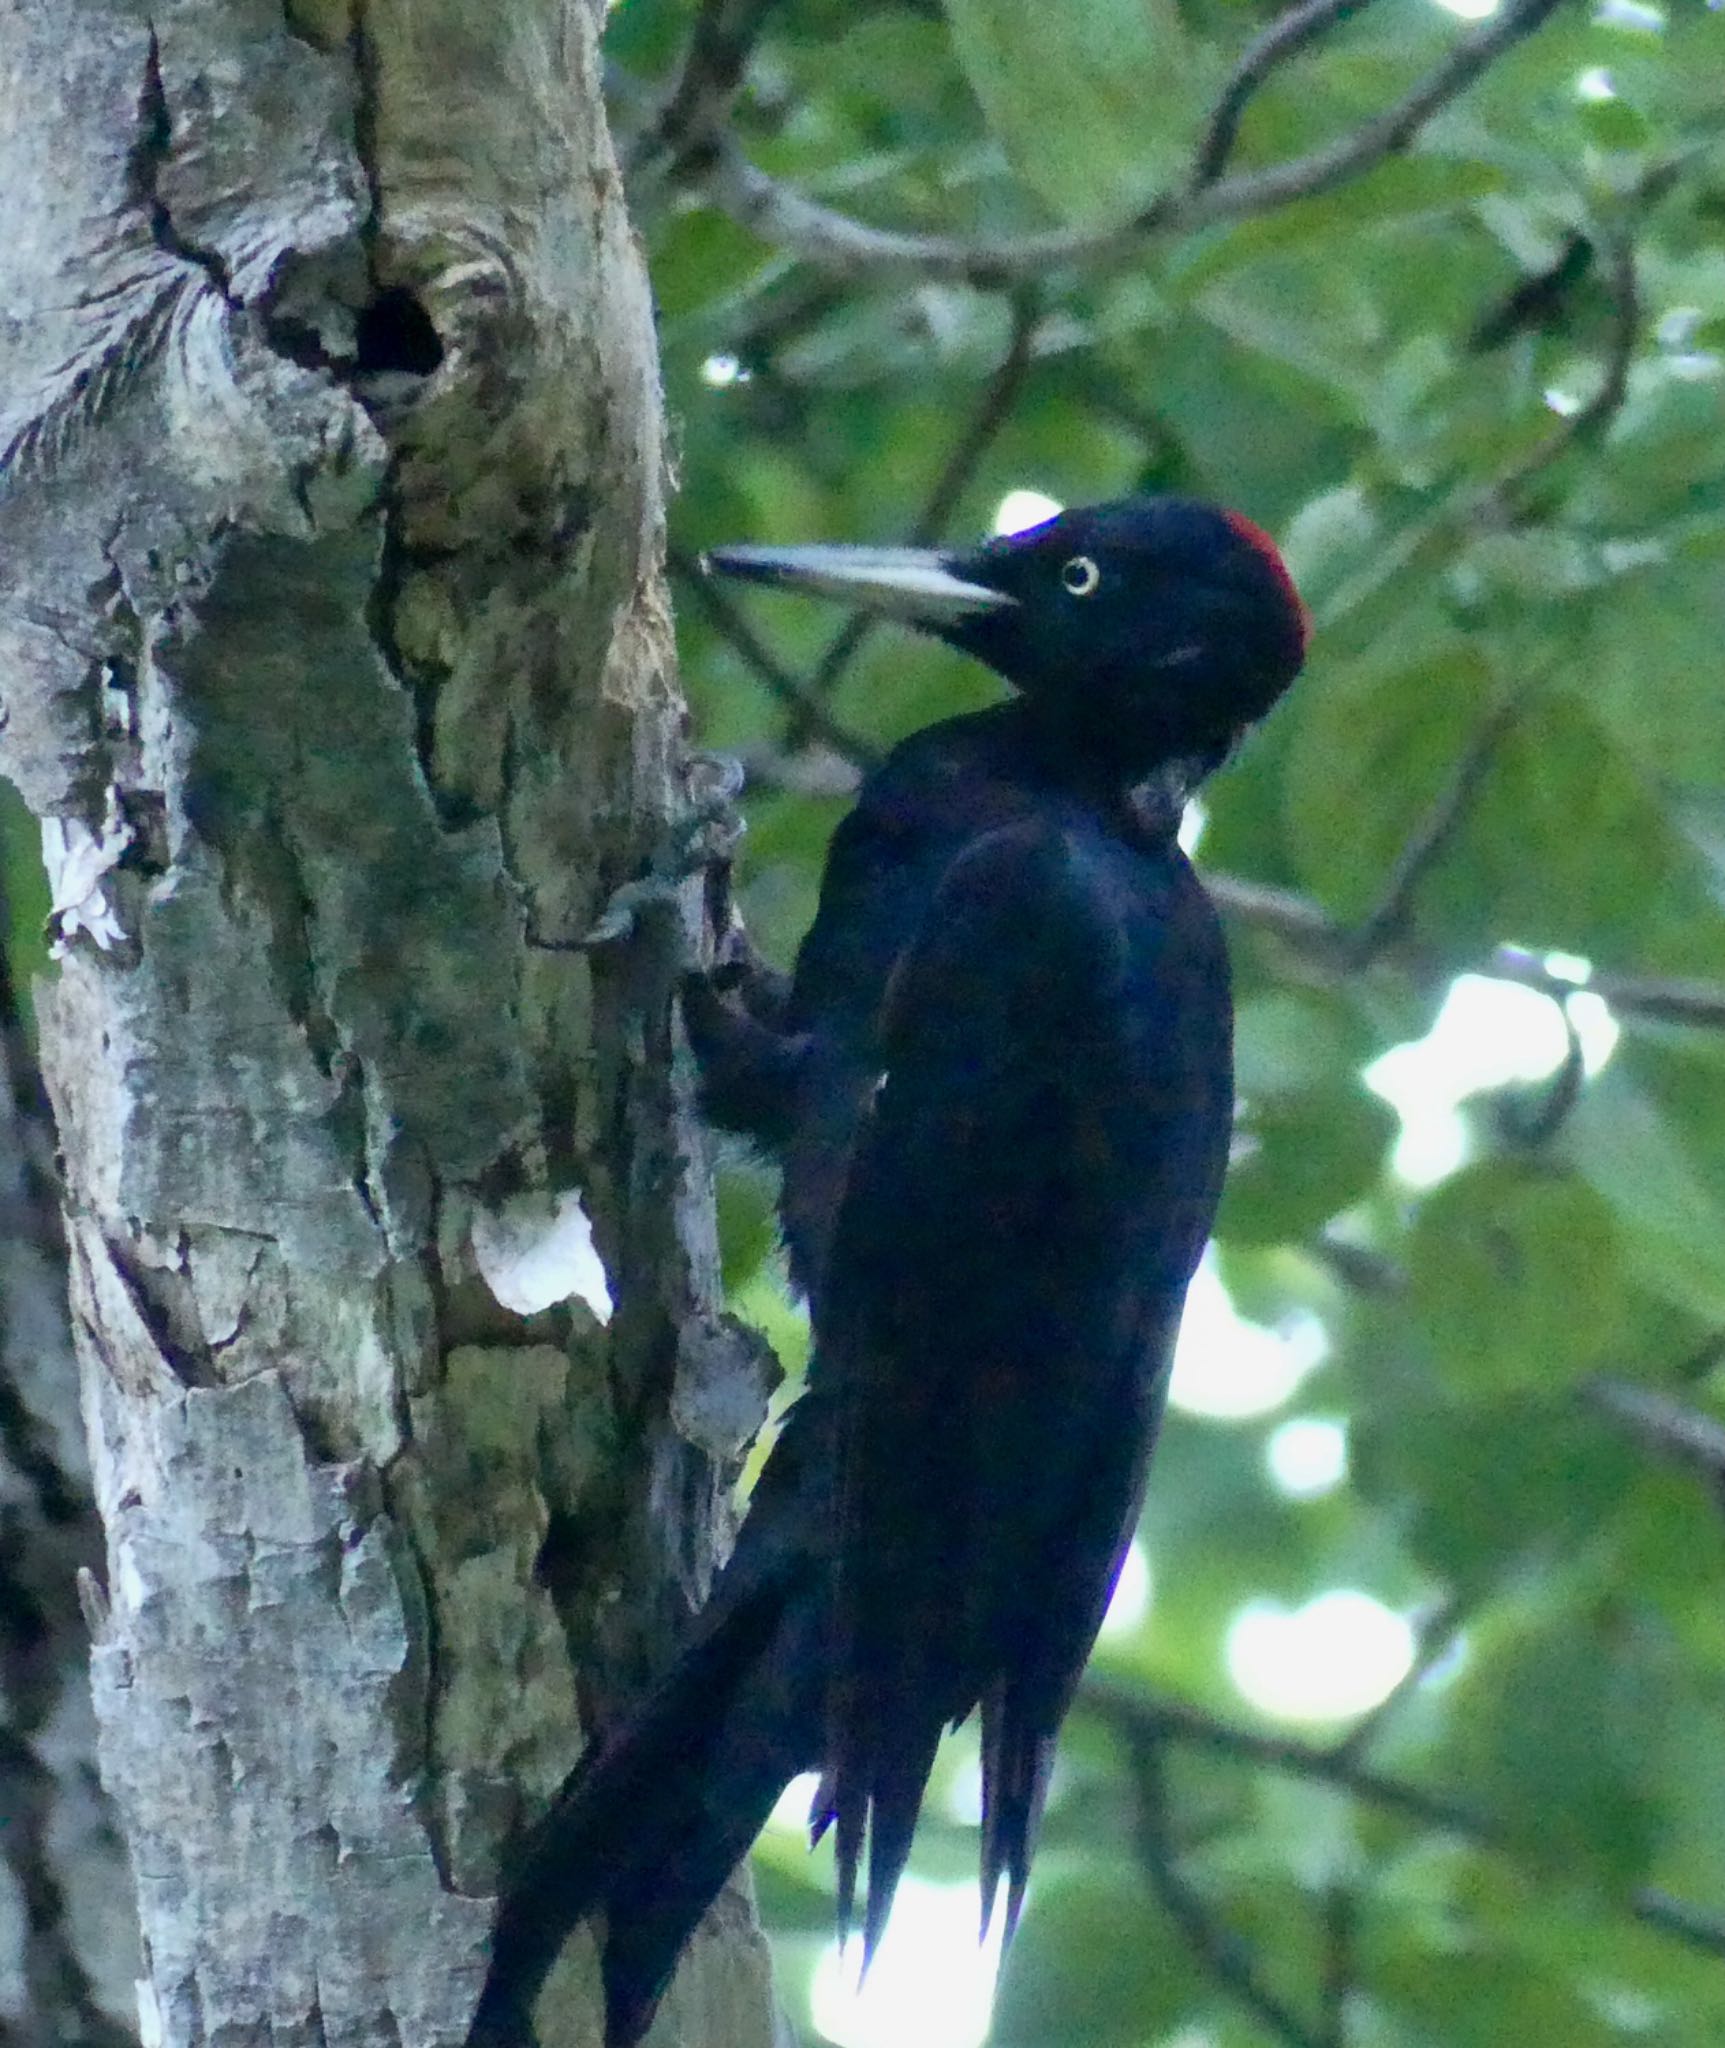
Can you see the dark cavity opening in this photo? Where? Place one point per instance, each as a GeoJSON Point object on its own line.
{"type": "Point", "coordinates": [395, 333]}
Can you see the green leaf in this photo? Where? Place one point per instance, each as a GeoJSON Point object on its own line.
{"type": "Point", "coordinates": [748, 1224]}
{"type": "Point", "coordinates": [1557, 1713]}
{"type": "Point", "coordinates": [1562, 843]}
{"type": "Point", "coordinates": [1634, 1137]}
{"type": "Point", "coordinates": [1093, 1965]}
{"type": "Point", "coordinates": [710, 263]}
{"type": "Point", "coordinates": [1307, 1156]}
{"type": "Point", "coordinates": [1651, 676]}
{"type": "Point", "coordinates": [1399, 189]}
{"type": "Point", "coordinates": [1371, 747]}
{"type": "Point", "coordinates": [1261, 431]}
{"type": "Point", "coordinates": [1314, 1136]}
{"type": "Point", "coordinates": [1293, 1041]}
{"type": "Point", "coordinates": [1478, 1485]}
{"type": "Point", "coordinates": [1328, 539]}
{"type": "Point", "coordinates": [1665, 447]}
{"type": "Point", "coordinates": [1516, 1276]}
{"type": "Point", "coordinates": [1472, 1994]}
{"type": "Point", "coordinates": [792, 1888]}
{"type": "Point", "coordinates": [1612, 124]}
{"type": "Point", "coordinates": [1095, 107]}
{"type": "Point", "coordinates": [24, 895]}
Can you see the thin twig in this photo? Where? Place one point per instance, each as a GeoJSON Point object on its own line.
{"type": "Point", "coordinates": [1435, 1635]}
{"type": "Point", "coordinates": [1659, 998]}
{"type": "Point", "coordinates": [1676, 1431]}
{"type": "Point", "coordinates": [1655, 1907]}
{"type": "Point", "coordinates": [1469, 508]}
{"type": "Point", "coordinates": [714, 60]}
{"type": "Point", "coordinates": [1284, 38]}
{"type": "Point", "coordinates": [1698, 1364]}
{"type": "Point", "coordinates": [1134, 1717]}
{"type": "Point", "coordinates": [992, 412]}
{"type": "Point", "coordinates": [1488, 506]}
{"type": "Point", "coordinates": [1217, 1948]}
{"type": "Point", "coordinates": [1389, 916]}
{"type": "Point", "coordinates": [819, 234]}
{"type": "Point", "coordinates": [1340, 1917]}
{"type": "Point", "coordinates": [728, 620]}
{"type": "Point", "coordinates": [814, 771]}
{"type": "Point", "coordinates": [1529, 1118]}
{"type": "Point", "coordinates": [1534, 301]}
{"type": "Point", "coordinates": [1137, 1720]}
{"type": "Point", "coordinates": [1359, 1267]}
{"type": "Point", "coordinates": [1589, 421]}
{"type": "Point", "coordinates": [1297, 921]}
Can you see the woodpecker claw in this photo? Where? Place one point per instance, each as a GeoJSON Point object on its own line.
{"type": "Point", "coordinates": [702, 840]}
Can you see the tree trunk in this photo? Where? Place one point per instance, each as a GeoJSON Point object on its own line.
{"type": "Point", "coordinates": [336, 662]}
{"type": "Point", "coordinates": [68, 1938]}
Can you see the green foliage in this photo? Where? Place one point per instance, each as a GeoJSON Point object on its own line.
{"type": "Point", "coordinates": [1516, 1230]}
{"type": "Point", "coordinates": [1130, 85]}
{"type": "Point", "coordinates": [23, 894]}
{"type": "Point", "coordinates": [1315, 1136]}
{"type": "Point", "coordinates": [1499, 476]}
{"type": "Point", "coordinates": [1646, 1135]}
{"type": "Point", "coordinates": [1095, 1965]}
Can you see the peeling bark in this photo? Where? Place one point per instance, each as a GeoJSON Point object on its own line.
{"type": "Point", "coordinates": [335, 658]}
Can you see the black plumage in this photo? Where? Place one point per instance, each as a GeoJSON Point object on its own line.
{"type": "Point", "coordinates": [1000, 1087]}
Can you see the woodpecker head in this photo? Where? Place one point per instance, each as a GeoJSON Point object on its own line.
{"type": "Point", "coordinates": [1146, 629]}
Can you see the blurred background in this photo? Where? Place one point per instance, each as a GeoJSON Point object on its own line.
{"type": "Point", "coordinates": [1407, 1727]}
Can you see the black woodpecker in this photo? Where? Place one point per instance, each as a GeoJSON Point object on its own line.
{"type": "Point", "coordinates": [1000, 1087]}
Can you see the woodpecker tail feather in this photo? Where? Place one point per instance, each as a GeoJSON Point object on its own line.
{"type": "Point", "coordinates": [1015, 1765]}
{"type": "Point", "coordinates": [651, 1822]}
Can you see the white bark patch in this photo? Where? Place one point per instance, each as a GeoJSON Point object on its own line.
{"type": "Point", "coordinates": [149, 2016]}
{"type": "Point", "coordinates": [537, 1249]}
{"type": "Point", "coordinates": [77, 857]}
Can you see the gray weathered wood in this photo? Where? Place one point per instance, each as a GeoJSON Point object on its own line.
{"type": "Point", "coordinates": [335, 657]}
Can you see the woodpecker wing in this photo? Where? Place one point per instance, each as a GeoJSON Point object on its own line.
{"type": "Point", "coordinates": [1028, 1194]}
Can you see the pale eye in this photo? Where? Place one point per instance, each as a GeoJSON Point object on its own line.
{"type": "Point", "coordinates": [1080, 575]}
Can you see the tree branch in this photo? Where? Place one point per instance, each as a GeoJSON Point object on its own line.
{"type": "Point", "coordinates": [1284, 915]}
{"type": "Point", "coordinates": [714, 60]}
{"type": "Point", "coordinates": [1586, 424]}
{"type": "Point", "coordinates": [992, 412]}
{"type": "Point", "coordinates": [1284, 38]}
{"type": "Point", "coordinates": [1686, 1435]}
{"type": "Point", "coordinates": [1655, 1907]}
{"type": "Point", "coordinates": [1133, 1717]}
{"type": "Point", "coordinates": [819, 234]}
{"type": "Point", "coordinates": [1389, 916]}
{"type": "Point", "coordinates": [1304, 925]}
{"type": "Point", "coordinates": [1217, 1948]}
{"type": "Point", "coordinates": [727, 619]}
{"type": "Point", "coordinates": [813, 771]}
{"type": "Point", "coordinates": [1140, 1722]}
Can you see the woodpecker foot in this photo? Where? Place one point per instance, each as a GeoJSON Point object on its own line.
{"type": "Point", "coordinates": [741, 973]}
{"type": "Point", "coordinates": [701, 841]}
